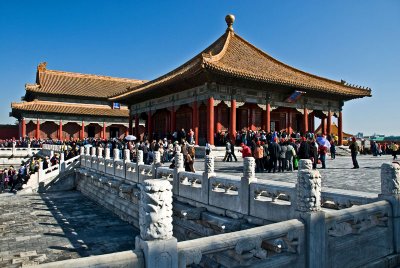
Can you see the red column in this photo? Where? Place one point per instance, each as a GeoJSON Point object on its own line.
{"type": "Point", "coordinates": [305, 121]}
{"type": "Point", "coordinates": [290, 123]}
{"type": "Point", "coordinates": [329, 123]}
{"type": "Point", "coordinates": [210, 120]}
{"type": "Point", "coordinates": [23, 127]}
{"type": "Point", "coordinates": [196, 122]}
{"type": "Point", "coordinates": [323, 125]}
{"type": "Point", "coordinates": [82, 131]}
{"type": "Point", "coordinates": [250, 118]}
{"type": "Point", "coordinates": [340, 128]}
{"type": "Point", "coordinates": [149, 126]}
{"type": "Point", "coordinates": [312, 119]}
{"type": "Point", "coordinates": [60, 133]}
{"type": "Point", "coordinates": [104, 132]}
{"type": "Point", "coordinates": [287, 122]}
{"type": "Point", "coordinates": [232, 122]}
{"type": "Point", "coordinates": [37, 129]}
{"type": "Point", "coordinates": [173, 118]}
{"type": "Point", "coordinates": [130, 124]}
{"type": "Point", "coordinates": [137, 126]}
{"type": "Point", "coordinates": [267, 118]}
{"type": "Point", "coordinates": [218, 123]}
{"type": "Point", "coordinates": [127, 131]}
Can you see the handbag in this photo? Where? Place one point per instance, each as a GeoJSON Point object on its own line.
{"type": "Point", "coordinates": [296, 163]}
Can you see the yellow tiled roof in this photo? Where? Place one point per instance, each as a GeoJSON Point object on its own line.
{"type": "Point", "coordinates": [233, 56]}
{"type": "Point", "coordinates": [69, 108]}
{"type": "Point", "coordinates": [77, 84]}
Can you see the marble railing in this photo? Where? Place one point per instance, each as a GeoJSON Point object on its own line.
{"type": "Point", "coordinates": [275, 245]}
{"type": "Point", "coordinates": [18, 151]}
{"type": "Point", "coordinates": [358, 229]}
{"type": "Point", "coordinates": [265, 199]}
{"type": "Point", "coordinates": [52, 147]}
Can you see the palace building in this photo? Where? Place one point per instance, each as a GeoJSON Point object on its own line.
{"type": "Point", "coordinates": [231, 86]}
{"type": "Point", "coordinates": [66, 105]}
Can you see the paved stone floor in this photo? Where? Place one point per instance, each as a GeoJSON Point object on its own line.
{"type": "Point", "coordinates": [338, 174]}
{"type": "Point", "coordinates": [57, 226]}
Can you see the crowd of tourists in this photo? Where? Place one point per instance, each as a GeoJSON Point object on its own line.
{"type": "Point", "coordinates": [12, 178]}
{"type": "Point", "coordinates": [273, 152]}
{"type": "Point", "coordinates": [277, 152]}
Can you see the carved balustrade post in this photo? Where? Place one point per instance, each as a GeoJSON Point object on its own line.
{"type": "Point", "coordinates": [308, 208]}
{"type": "Point", "coordinates": [51, 154]}
{"type": "Point", "coordinates": [40, 171]}
{"type": "Point", "coordinates": [156, 163]}
{"type": "Point", "coordinates": [99, 152]}
{"type": "Point", "coordinates": [179, 167]}
{"type": "Point", "coordinates": [249, 176]}
{"type": "Point", "coordinates": [29, 149]}
{"type": "Point", "coordinates": [107, 153]}
{"type": "Point", "coordinates": [390, 191]}
{"type": "Point", "coordinates": [127, 155]}
{"type": "Point", "coordinates": [87, 150]}
{"type": "Point", "coordinates": [207, 174]}
{"type": "Point", "coordinates": [93, 151]}
{"type": "Point", "coordinates": [116, 154]}
{"type": "Point", "coordinates": [62, 161]}
{"type": "Point", "coordinates": [82, 156]}
{"type": "Point", "coordinates": [139, 161]}
{"type": "Point", "coordinates": [139, 158]}
{"type": "Point", "coordinates": [155, 223]}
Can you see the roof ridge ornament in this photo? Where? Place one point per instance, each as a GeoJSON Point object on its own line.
{"type": "Point", "coordinates": [42, 66]}
{"type": "Point", "coordinates": [230, 19]}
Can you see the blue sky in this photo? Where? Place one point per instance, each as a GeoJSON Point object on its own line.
{"type": "Point", "coordinates": [357, 41]}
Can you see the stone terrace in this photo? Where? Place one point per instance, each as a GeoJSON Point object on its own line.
{"type": "Point", "coordinates": [58, 226]}
{"type": "Point", "coordinates": [339, 173]}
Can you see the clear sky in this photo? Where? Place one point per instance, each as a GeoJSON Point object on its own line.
{"type": "Point", "coordinates": [358, 41]}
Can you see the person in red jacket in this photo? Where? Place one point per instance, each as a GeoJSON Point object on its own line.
{"type": "Point", "coordinates": [246, 151]}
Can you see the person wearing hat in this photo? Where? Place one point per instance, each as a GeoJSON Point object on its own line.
{"type": "Point", "coordinates": [354, 148]}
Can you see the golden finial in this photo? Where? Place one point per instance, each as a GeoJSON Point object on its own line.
{"type": "Point", "coordinates": [230, 19]}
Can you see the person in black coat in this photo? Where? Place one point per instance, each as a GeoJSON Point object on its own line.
{"type": "Point", "coordinates": [304, 150]}
{"type": "Point", "coordinates": [273, 149]}
{"type": "Point", "coordinates": [314, 153]}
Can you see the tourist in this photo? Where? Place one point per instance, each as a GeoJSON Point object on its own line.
{"type": "Point", "coordinates": [273, 151]}
{"type": "Point", "coordinates": [354, 148]}
{"type": "Point", "coordinates": [233, 150]}
{"type": "Point", "coordinates": [191, 136]}
{"type": "Point", "coordinates": [314, 152]}
{"type": "Point", "coordinates": [322, 150]}
{"type": "Point", "coordinates": [208, 148]}
{"type": "Point", "coordinates": [258, 155]}
{"type": "Point", "coordinates": [282, 156]}
{"type": "Point", "coordinates": [290, 154]}
{"type": "Point", "coordinates": [304, 149]}
{"type": "Point", "coordinates": [228, 152]}
{"type": "Point", "coordinates": [395, 150]}
{"type": "Point", "coordinates": [246, 151]}
{"type": "Point", "coordinates": [333, 149]}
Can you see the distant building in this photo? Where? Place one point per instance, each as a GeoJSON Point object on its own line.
{"type": "Point", "coordinates": [8, 132]}
{"type": "Point", "coordinates": [66, 105]}
{"type": "Point", "coordinates": [231, 86]}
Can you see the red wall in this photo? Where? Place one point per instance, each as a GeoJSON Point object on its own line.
{"type": "Point", "coordinates": [9, 132]}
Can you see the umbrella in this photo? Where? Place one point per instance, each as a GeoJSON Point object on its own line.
{"type": "Point", "coordinates": [130, 138]}
{"type": "Point", "coordinates": [324, 142]}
